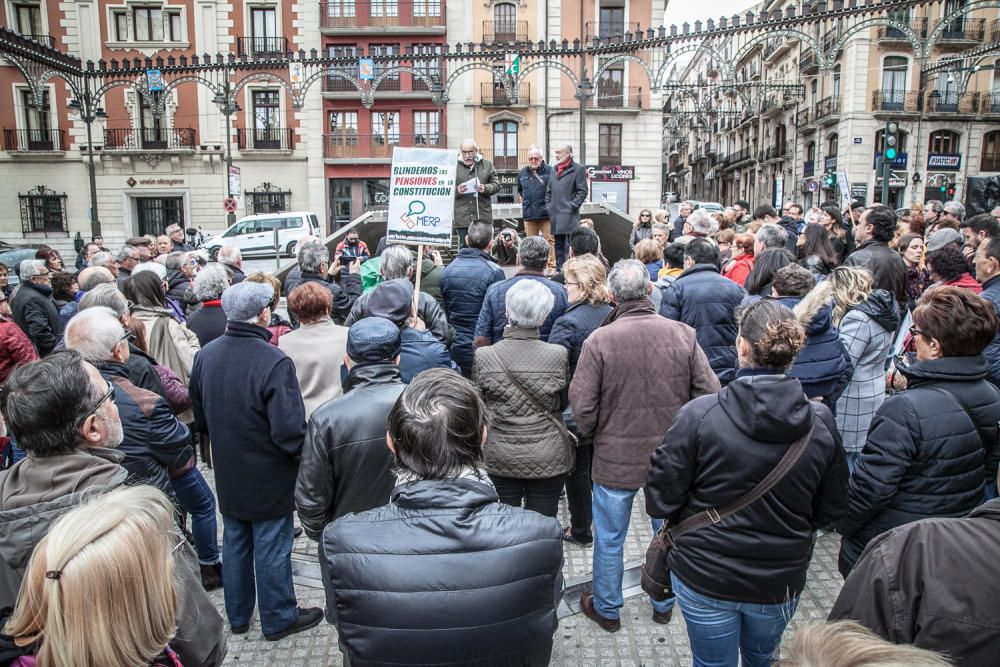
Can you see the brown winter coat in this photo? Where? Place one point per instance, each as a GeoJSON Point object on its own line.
{"type": "Point", "coordinates": [523, 443]}
{"type": "Point", "coordinates": [635, 372]}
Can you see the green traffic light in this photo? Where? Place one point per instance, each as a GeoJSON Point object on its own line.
{"type": "Point", "coordinates": [890, 154]}
{"type": "Point", "coordinates": [944, 188]}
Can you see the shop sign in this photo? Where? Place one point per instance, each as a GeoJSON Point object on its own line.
{"type": "Point", "coordinates": [944, 161]}
{"type": "Point", "coordinates": [612, 172]}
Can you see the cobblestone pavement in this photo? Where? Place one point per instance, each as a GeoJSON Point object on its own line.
{"type": "Point", "coordinates": [578, 642]}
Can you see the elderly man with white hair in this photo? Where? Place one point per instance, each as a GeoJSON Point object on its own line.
{"type": "Point", "coordinates": [564, 195]}
{"type": "Point", "coordinates": [231, 257]}
{"type": "Point", "coordinates": [33, 308]}
{"type": "Point", "coordinates": [473, 202]}
{"type": "Point", "coordinates": [523, 382]}
{"type": "Point", "coordinates": [314, 263]}
{"type": "Point", "coordinates": [106, 260]}
{"type": "Point", "coordinates": [88, 279]}
{"type": "Point", "coordinates": [635, 372]}
{"type": "Point", "coordinates": [701, 225]}
{"type": "Point", "coordinates": [209, 322]}
{"type": "Point", "coordinates": [532, 182]}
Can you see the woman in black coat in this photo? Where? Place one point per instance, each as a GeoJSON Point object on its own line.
{"type": "Point", "coordinates": [738, 581]}
{"type": "Point", "coordinates": [589, 305]}
{"type": "Point", "coordinates": [932, 448]}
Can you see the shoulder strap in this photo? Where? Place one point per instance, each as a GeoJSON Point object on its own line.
{"type": "Point", "coordinates": [517, 383]}
{"type": "Point", "coordinates": [713, 515]}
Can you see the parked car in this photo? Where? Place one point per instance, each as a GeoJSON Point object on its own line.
{"type": "Point", "coordinates": [670, 198]}
{"type": "Point", "coordinates": [12, 258]}
{"type": "Point", "coordinates": [254, 234]}
{"type": "Point", "coordinates": [710, 206]}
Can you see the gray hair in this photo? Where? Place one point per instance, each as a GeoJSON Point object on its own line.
{"type": "Point", "coordinates": [94, 333]}
{"type": "Point", "coordinates": [533, 253]}
{"type": "Point", "coordinates": [155, 267]}
{"type": "Point", "coordinates": [934, 205]}
{"type": "Point", "coordinates": [661, 227]}
{"type": "Point", "coordinates": [772, 236]}
{"type": "Point", "coordinates": [397, 261]}
{"type": "Point", "coordinates": [175, 260]}
{"type": "Point", "coordinates": [628, 280]}
{"type": "Point", "coordinates": [171, 229]}
{"type": "Point", "coordinates": [312, 257]}
{"type": "Point", "coordinates": [230, 254]}
{"type": "Point", "coordinates": [702, 223]}
{"type": "Point", "coordinates": [127, 252]}
{"type": "Point", "coordinates": [566, 147]}
{"type": "Point", "coordinates": [31, 268]}
{"type": "Point", "coordinates": [102, 258]}
{"type": "Point", "coordinates": [533, 149]}
{"type": "Point", "coordinates": [956, 209]}
{"type": "Point", "coordinates": [528, 303]}
{"type": "Point", "coordinates": [92, 276]}
{"type": "Point", "coordinates": [211, 281]}
{"type": "Point", "coordinates": [105, 296]}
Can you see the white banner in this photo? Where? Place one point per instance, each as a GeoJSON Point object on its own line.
{"type": "Point", "coordinates": [422, 196]}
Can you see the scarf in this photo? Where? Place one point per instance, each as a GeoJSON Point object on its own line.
{"type": "Point", "coordinates": [563, 166]}
{"type": "Point", "coordinates": [404, 476]}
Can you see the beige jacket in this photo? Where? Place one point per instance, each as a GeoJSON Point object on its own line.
{"type": "Point", "coordinates": [317, 350]}
{"type": "Point", "coordinates": [172, 344]}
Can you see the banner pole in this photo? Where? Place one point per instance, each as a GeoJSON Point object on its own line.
{"type": "Point", "coordinates": [416, 288]}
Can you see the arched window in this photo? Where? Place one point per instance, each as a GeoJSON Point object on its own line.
{"type": "Point", "coordinates": [990, 158]}
{"type": "Point", "coordinates": [505, 22]}
{"type": "Point", "coordinates": [505, 145]}
{"type": "Point", "coordinates": [901, 146]}
{"type": "Point", "coordinates": [836, 82]}
{"type": "Point", "coordinates": [943, 141]}
{"type": "Point", "coordinates": [811, 151]}
{"type": "Point", "coordinates": [831, 145]}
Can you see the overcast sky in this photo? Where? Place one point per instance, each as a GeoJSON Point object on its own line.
{"type": "Point", "coordinates": [679, 11]}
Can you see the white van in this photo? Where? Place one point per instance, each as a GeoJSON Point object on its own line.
{"type": "Point", "coordinates": [254, 234]}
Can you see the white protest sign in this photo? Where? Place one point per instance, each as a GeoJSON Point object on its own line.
{"type": "Point", "coordinates": [845, 189]}
{"type": "Point", "coordinates": [421, 196]}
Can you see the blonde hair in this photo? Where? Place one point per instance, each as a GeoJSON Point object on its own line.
{"type": "Point", "coordinates": [589, 274]}
{"type": "Point", "coordinates": [648, 250]}
{"type": "Point", "coordinates": [849, 644]}
{"type": "Point", "coordinates": [99, 589]}
{"type": "Point", "coordinates": [662, 215]}
{"type": "Point", "coordinates": [847, 286]}
{"type": "Point", "coordinates": [587, 222]}
{"type": "Point", "coordinates": [267, 279]}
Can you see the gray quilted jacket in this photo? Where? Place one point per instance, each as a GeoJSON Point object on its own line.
{"type": "Point", "coordinates": [523, 443]}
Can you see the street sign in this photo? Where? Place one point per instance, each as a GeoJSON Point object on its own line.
{"type": "Point", "coordinates": [235, 184]}
{"type": "Point", "coordinates": [421, 196]}
{"type": "Point", "coordinates": [779, 191]}
{"type": "Point", "coordinates": [366, 69]}
{"type": "Point", "coordinates": [229, 204]}
{"type": "Point", "coordinates": [512, 64]}
{"type": "Point", "coordinates": [154, 80]}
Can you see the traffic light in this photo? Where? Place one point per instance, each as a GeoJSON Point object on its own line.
{"type": "Point", "coordinates": [830, 180]}
{"type": "Point", "coordinates": [944, 185]}
{"type": "Point", "coordinates": [890, 141]}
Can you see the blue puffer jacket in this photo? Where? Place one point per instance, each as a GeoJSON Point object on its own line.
{"type": "Point", "coordinates": [420, 350]}
{"type": "Point", "coordinates": [991, 292]}
{"type": "Point", "coordinates": [493, 316]}
{"type": "Point", "coordinates": [822, 366]}
{"type": "Point", "coordinates": [573, 328]}
{"type": "Point", "coordinates": [705, 301]}
{"type": "Point", "coordinates": [463, 288]}
{"type": "Point", "coordinates": [531, 186]}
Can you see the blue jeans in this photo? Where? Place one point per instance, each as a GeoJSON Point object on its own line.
{"type": "Point", "coordinates": [264, 547]}
{"type": "Point", "coordinates": [612, 512]}
{"type": "Point", "coordinates": [195, 497]}
{"type": "Point", "coordinates": [720, 631]}
{"type": "Point", "coordinates": [990, 490]}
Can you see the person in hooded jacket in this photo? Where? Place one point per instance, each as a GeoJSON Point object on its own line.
{"type": "Point", "coordinates": [947, 266]}
{"type": "Point", "coordinates": [738, 581]}
{"type": "Point", "coordinates": [822, 367]}
{"type": "Point", "coordinates": [345, 464]}
{"type": "Point", "coordinates": [705, 301]}
{"type": "Point", "coordinates": [866, 319]}
{"type": "Point", "coordinates": [931, 447]}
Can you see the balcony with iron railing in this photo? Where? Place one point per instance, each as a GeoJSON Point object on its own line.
{"type": "Point", "coordinates": [391, 83]}
{"type": "Point", "coordinates": [265, 139]}
{"type": "Point", "coordinates": [495, 95]}
{"type": "Point", "coordinates": [951, 102]}
{"type": "Point", "coordinates": [261, 47]}
{"type": "Point", "coordinates": [807, 62]}
{"type": "Point", "coordinates": [828, 108]}
{"type": "Point", "coordinates": [608, 29]}
{"type": "Point", "coordinates": [30, 141]}
{"type": "Point", "coordinates": [613, 96]}
{"type": "Point", "coordinates": [995, 30]}
{"type": "Point", "coordinates": [505, 31]}
{"type": "Point", "coordinates": [777, 151]}
{"type": "Point", "coordinates": [506, 160]}
{"type": "Point", "coordinates": [895, 101]}
{"type": "Point", "coordinates": [158, 139]}
{"type": "Point", "coordinates": [888, 34]}
{"type": "Point", "coordinates": [989, 103]}
{"type": "Point", "coordinates": [44, 40]}
{"type": "Point", "coordinates": [990, 162]}
{"type": "Point", "coordinates": [375, 146]}
{"type": "Point", "coordinates": [350, 15]}
{"type": "Point", "coordinates": [804, 118]}
{"type": "Point", "coordinates": [959, 31]}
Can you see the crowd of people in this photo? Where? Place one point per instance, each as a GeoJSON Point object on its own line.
{"type": "Point", "coordinates": [424, 436]}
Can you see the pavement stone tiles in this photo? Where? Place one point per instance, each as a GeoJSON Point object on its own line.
{"type": "Point", "coordinates": [577, 642]}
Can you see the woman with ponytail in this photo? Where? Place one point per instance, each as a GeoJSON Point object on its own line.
{"type": "Point", "coordinates": [738, 580]}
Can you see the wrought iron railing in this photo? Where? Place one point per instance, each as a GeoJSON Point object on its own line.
{"type": "Point", "coordinates": [891, 34]}
{"type": "Point", "coordinates": [364, 13]}
{"type": "Point", "coordinates": [172, 138]}
{"type": "Point", "coordinates": [265, 139]}
{"type": "Point", "coordinates": [895, 100]}
{"type": "Point", "coordinates": [505, 31]}
{"type": "Point", "coordinates": [612, 96]}
{"type": "Point", "coordinates": [261, 47]}
{"type": "Point", "coordinates": [963, 29]}
{"type": "Point", "coordinates": [608, 29]}
{"type": "Point", "coordinates": [376, 146]}
{"type": "Point", "coordinates": [24, 141]}
{"type": "Point", "coordinates": [495, 95]}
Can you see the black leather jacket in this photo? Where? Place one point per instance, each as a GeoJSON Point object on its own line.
{"type": "Point", "coordinates": [346, 465]}
{"type": "Point", "coordinates": [444, 574]}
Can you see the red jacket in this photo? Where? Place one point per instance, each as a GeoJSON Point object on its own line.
{"type": "Point", "coordinates": [968, 282]}
{"type": "Point", "coordinates": [15, 348]}
{"type": "Point", "coordinates": [739, 269]}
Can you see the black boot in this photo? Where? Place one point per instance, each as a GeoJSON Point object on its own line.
{"type": "Point", "coordinates": [211, 576]}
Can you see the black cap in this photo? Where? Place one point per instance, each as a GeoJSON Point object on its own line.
{"type": "Point", "coordinates": [391, 300]}
{"type": "Point", "coordinates": [373, 339]}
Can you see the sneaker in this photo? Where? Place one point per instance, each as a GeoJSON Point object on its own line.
{"type": "Point", "coordinates": [308, 618]}
{"type": "Point", "coordinates": [211, 576]}
{"type": "Point", "coordinates": [663, 617]}
{"type": "Point", "coordinates": [587, 607]}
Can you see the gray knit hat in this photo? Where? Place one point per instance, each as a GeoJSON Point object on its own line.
{"type": "Point", "coordinates": [245, 300]}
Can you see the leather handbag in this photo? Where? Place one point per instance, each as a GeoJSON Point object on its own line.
{"type": "Point", "coordinates": [655, 568]}
{"type": "Point", "coordinates": [571, 440]}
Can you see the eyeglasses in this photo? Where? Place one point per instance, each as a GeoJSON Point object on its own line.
{"type": "Point", "coordinates": [645, 215]}
{"type": "Point", "coordinates": [573, 284]}
{"type": "Point", "coordinates": [128, 335]}
{"type": "Point", "coordinates": [100, 402]}
{"type": "Point", "coordinates": [914, 331]}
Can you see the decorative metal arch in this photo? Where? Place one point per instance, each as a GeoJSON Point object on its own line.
{"type": "Point", "coordinates": [827, 60]}
{"type": "Point", "coordinates": [468, 67]}
{"type": "Point", "coordinates": [538, 64]}
{"type": "Point", "coordinates": [259, 76]}
{"type": "Point", "coordinates": [935, 34]}
{"type": "Point", "coordinates": [749, 45]}
{"type": "Point", "coordinates": [684, 50]}
{"type": "Point", "coordinates": [614, 60]}
{"type": "Point", "coordinates": [116, 83]}
{"type": "Point", "coordinates": [174, 83]}
{"type": "Point", "coordinates": [395, 70]}
{"type": "Point", "coordinates": [968, 67]}
{"type": "Point", "coordinates": [298, 98]}
{"type": "Point", "coordinates": [36, 75]}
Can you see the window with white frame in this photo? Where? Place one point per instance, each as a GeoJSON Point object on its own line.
{"type": "Point", "coordinates": [146, 22]}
